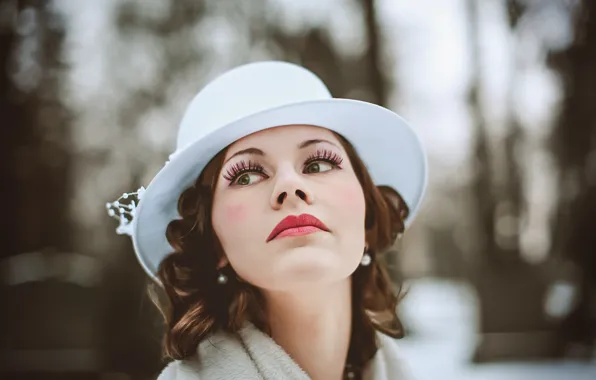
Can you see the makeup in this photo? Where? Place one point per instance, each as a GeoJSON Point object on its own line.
{"type": "Point", "coordinates": [292, 225]}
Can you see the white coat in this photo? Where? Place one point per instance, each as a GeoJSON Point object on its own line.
{"type": "Point", "coordinates": [254, 355]}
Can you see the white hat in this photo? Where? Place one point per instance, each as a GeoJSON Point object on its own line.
{"type": "Point", "coordinates": [252, 98]}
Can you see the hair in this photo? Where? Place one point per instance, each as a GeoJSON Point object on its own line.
{"type": "Point", "coordinates": [195, 305]}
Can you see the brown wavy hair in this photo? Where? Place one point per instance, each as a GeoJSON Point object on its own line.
{"type": "Point", "coordinates": [195, 305]}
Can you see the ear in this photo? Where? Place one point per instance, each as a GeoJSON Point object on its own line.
{"type": "Point", "coordinates": [222, 262]}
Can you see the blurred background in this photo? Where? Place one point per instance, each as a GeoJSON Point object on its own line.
{"type": "Point", "coordinates": [500, 266]}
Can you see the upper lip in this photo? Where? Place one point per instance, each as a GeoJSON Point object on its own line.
{"type": "Point", "coordinates": [293, 221]}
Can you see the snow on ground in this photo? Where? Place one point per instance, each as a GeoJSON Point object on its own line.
{"type": "Point", "coordinates": [443, 317]}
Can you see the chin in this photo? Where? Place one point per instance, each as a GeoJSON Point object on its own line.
{"type": "Point", "coordinates": [308, 264]}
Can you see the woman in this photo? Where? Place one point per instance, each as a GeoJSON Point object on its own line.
{"type": "Point", "coordinates": [266, 227]}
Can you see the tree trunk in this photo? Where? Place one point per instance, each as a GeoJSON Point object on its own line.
{"type": "Point", "coordinates": [510, 291]}
{"type": "Point", "coordinates": [373, 56]}
{"type": "Point", "coordinates": [12, 135]}
{"type": "Point", "coordinates": [58, 316]}
{"type": "Point", "coordinates": [574, 144]}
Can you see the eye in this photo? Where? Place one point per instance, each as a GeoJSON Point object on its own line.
{"type": "Point", "coordinates": [248, 179]}
{"type": "Point", "coordinates": [318, 167]}
{"type": "Point", "coordinates": [245, 174]}
{"type": "Point", "coordinates": [322, 161]}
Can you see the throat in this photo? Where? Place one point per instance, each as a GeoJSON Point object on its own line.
{"type": "Point", "coordinates": [314, 329]}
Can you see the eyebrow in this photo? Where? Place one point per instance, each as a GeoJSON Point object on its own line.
{"type": "Point", "coordinates": [259, 152]}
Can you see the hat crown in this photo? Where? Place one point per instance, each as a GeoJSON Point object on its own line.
{"type": "Point", "coordinates": [244, 91]}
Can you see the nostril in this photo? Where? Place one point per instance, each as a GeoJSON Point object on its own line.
{"type": "Point", "coordinates": [281, 197]}
{"type": "Point", "coordinates": [301, 194]}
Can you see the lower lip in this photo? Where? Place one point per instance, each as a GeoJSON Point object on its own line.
{"type": "Point", "coordinates": [298, 231]}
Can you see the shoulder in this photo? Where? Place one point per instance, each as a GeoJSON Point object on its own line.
{"type": "Point", "coordinates": [211, 361]}
{"type": "Point", "coordinates": [388, 362]}
{"type": "Point", "coordinates": [180, 370]}
{"type": "Point", "coordinates": [388, 345]}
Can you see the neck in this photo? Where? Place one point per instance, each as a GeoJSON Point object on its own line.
{"type": "Point", "coordinates": [314, 326]}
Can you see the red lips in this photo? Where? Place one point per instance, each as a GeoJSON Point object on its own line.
{"type": "Point", "coordinates": [292, 221]}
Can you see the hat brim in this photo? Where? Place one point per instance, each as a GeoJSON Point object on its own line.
{"type": "Point", "coordinates": [390, 149]}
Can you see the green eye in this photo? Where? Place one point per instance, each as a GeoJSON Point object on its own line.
{"type": "Point", "coordinates": [318, 167]}
{"type": "Point", "coordinates": [248, 179]}
{"type": "Point", "coordinates": [245, 173]}
{"type": "Point", "coordinates": [244, 180]}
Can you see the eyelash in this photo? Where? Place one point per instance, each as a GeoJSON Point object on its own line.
{"type": "Point", "coordinates": [326, 156]}
{"type": "Point", "coordinates": [242, 167]}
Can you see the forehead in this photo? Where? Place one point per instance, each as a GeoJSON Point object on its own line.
{"type": "Point", "coordinates": [283, 136]}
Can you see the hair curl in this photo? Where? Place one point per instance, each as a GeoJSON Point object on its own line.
{"type": "Point", "coordinates": [195, 305]}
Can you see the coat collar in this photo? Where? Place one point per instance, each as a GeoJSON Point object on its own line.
{"type": "Point", "coordinates": [251, 354]}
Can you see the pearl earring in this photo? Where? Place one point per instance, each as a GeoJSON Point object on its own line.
{"type": "Point", "coordinates": [222, 279]}
{"type": "Point", "coordinates": [366, 259]}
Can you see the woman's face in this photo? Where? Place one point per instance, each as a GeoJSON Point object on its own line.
{"type": "Point", "coordinates": [281, 172]}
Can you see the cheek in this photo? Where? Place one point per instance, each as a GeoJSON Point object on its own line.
{"type": "Point", "coordinates": [235, 213]}
{"type": "Point", "coordinates": [351, 197]}
{"type": "Point", "coordinates": [350, 221]}
{"type": "Point", "coordinates": [228, 218]}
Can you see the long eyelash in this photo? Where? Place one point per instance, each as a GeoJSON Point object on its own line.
{"type": "Point", "coordinates": [327, 156]}
{"type": "Point", "coordinates": [242, 167]}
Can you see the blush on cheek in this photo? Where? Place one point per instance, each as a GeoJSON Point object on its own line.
{"type": "Point", "coordinates": [350, 196]}
{"type": "Point", "coordinates": [235, 213]}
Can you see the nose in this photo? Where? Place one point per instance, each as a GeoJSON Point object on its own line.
{"type": "Point", "coordinates": [290, 188]}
